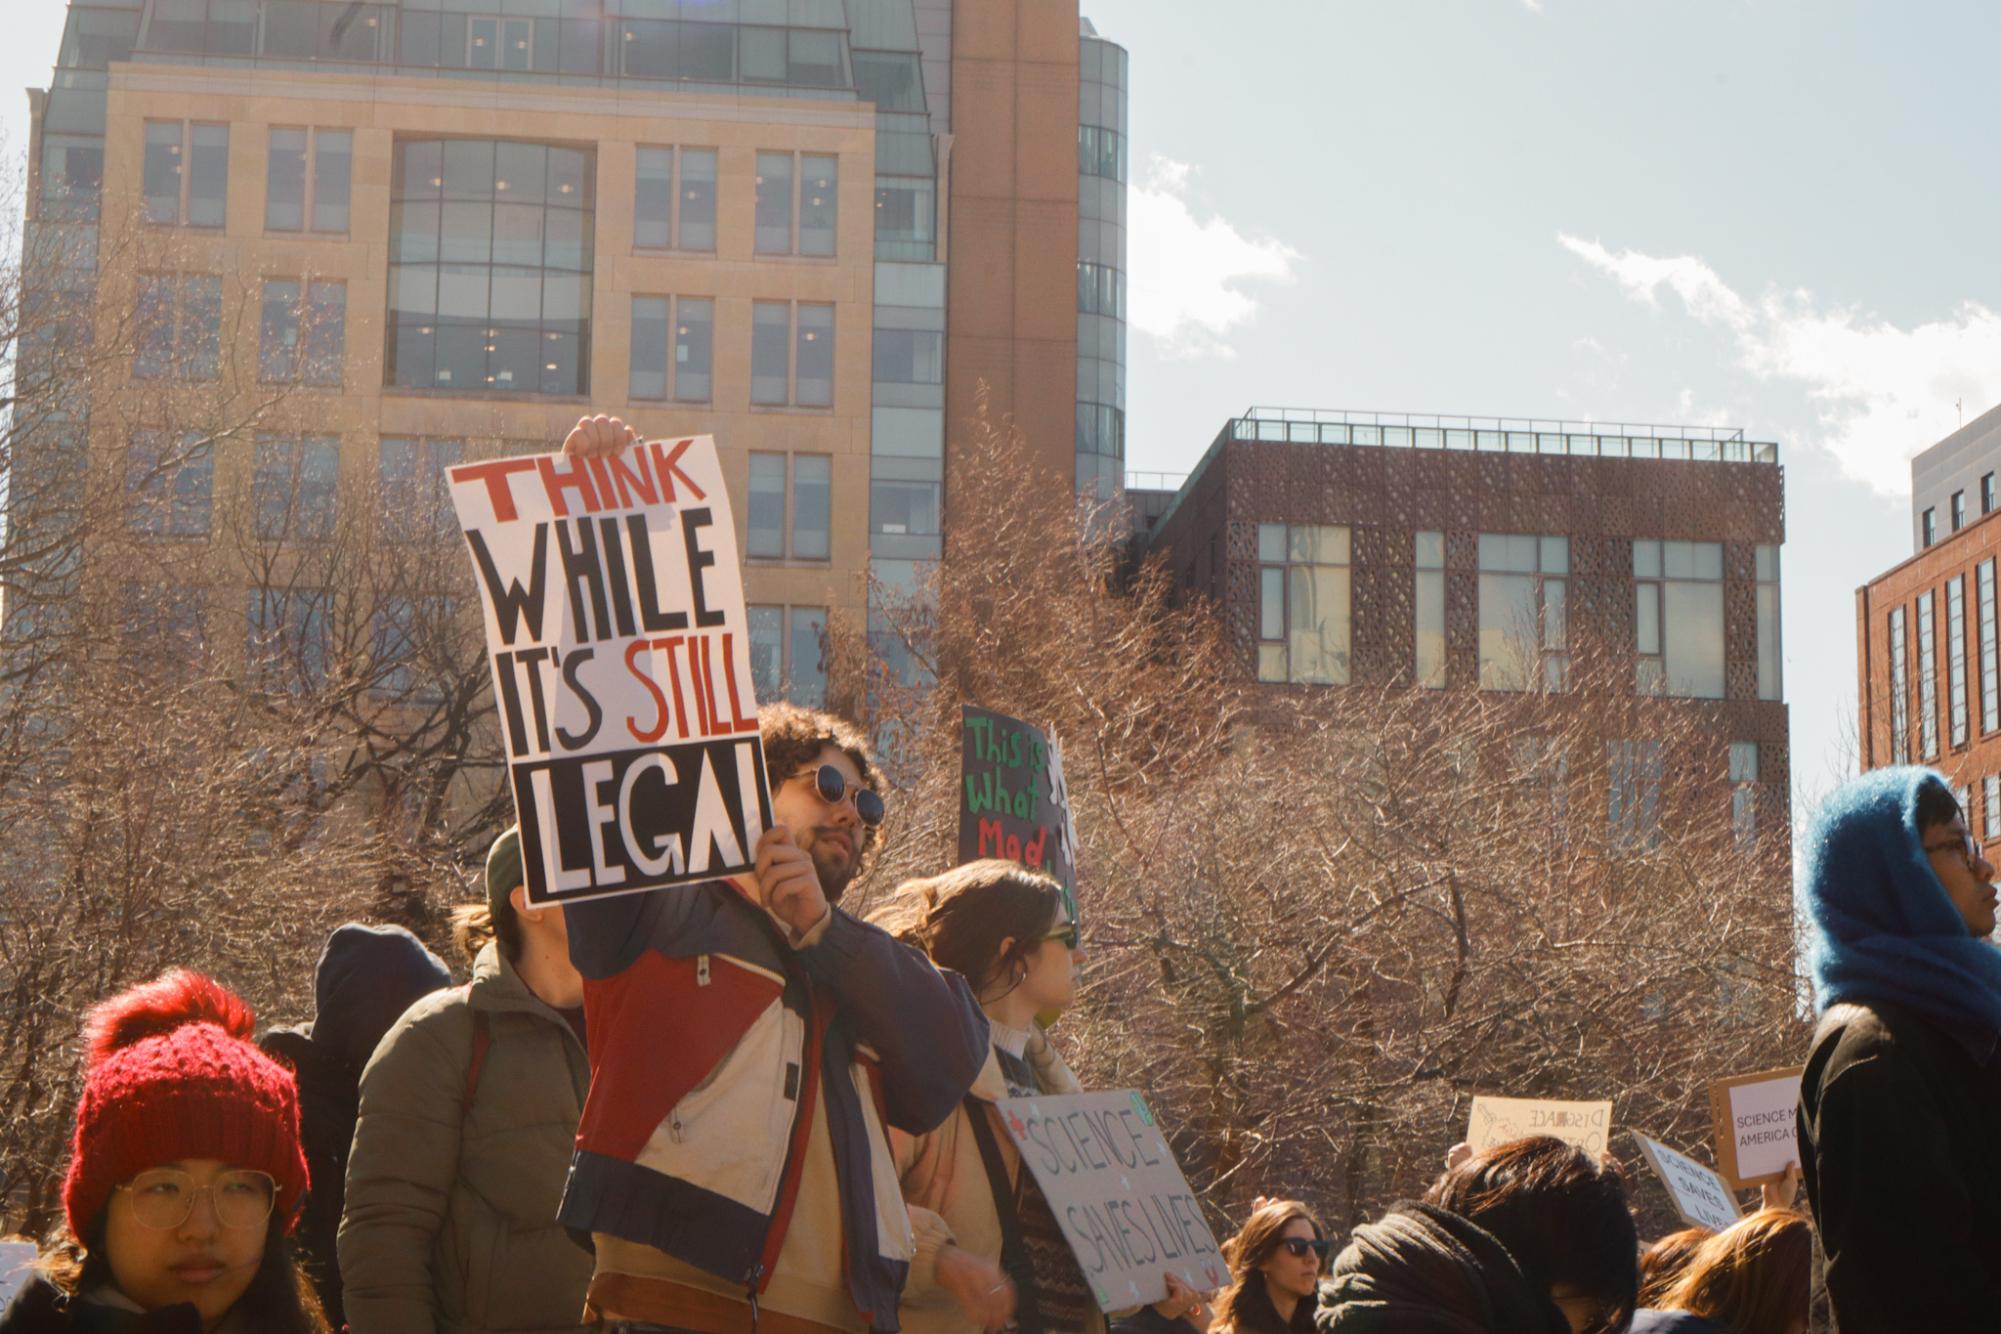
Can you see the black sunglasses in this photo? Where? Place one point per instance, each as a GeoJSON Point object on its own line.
{"type": "Point", "coordinates": [832, 785]}
{"type": "Point", "coordinates": [1298, 1247]}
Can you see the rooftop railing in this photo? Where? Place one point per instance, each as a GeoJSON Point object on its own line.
{"type": "Point", "coordinates": [1500, 435]}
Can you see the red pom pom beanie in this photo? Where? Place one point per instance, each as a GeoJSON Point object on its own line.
{"type": "Point", "coordinates": [170, 1073]}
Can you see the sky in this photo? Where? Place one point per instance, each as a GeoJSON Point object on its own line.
{"type": "Point", "coordinates": [1772, 214]}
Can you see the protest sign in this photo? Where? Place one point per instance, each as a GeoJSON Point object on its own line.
{"type": "Point", "coordinates": [17, 1266]}
{"type": "Point", "coordinates": [1498, 1120]}
{"type": "Point", "coordinates": [1701, 1197]}
{"type": "Point", "coordinates": [1117, 1193]}
{"type": "Point", "coordinates": [621, 665]}
{"type": "Point", "coordinates": [1756, 1136]}
{"type": "Point", "coordinates": [1014, 803]}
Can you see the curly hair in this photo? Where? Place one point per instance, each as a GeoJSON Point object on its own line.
{"type": "Point", "coordinates": [793, 739]}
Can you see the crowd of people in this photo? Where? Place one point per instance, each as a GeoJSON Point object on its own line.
{"type": "Point", "coordinates": [737, 1108]}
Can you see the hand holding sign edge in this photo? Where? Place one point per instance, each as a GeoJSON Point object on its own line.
{"type": "Point", "coordinates": [788, 883]}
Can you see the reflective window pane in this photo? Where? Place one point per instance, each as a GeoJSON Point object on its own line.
{"type": "Point", "coordinates": [764, 512]}
{"type": "Point", "coordinates": [814, 375]}
{"type": "Point", "coordinates": [812, 506]}
{"type": "Point", "coordinates": [649, 347]}
{"type": "Point", "coordinates": [818, 207]}
{"type": "Point", "coordinates": [767, 651]}
{"type": "Point", "coordinates": [808, 651]}
{"type": "Point", "coordinates": [774, 204]}
{"type": "Point", "coordinates": [325, 334]}
{"type": "Point", "coordinates": [1693, 628]}
{"type": "Point", "coordinates": [285, 182]}
{"type": "Point", "coordinates": [333, 164]}
{"type": "Point", "coordinates": [208, 175]}
{"type": "Point", "coordinates": [278, 338]}
{"type": "Point", "coordinates": [698, 199]}
{"type": "Point", "coordinates": [694, 348]}
{"type": "Point", "coordinates": [653, 199]}
{"type": "Point", "coordinates": [160, 174]}
{"type": "Point", "coordinates": [770, 341]}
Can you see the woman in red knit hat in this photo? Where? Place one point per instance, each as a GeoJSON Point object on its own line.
{"type": "Point", "coordinates": [185, 1177]}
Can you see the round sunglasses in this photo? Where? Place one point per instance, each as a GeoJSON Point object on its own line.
{"type": "Point", "coordinates": [832, 785]}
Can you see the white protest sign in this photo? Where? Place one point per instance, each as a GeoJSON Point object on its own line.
{"type": "Point", "coordinates": [1757, 1137]}
{"type": "Point", "coordinates": [621, 665]}
{"type": "Point", "coordinates": [1117, 1194]}
{"type": "Point", "coordinates": [1588, 1125]}
{"type": "Point", "coordinates": [1700, 1196]}
{"type": "Point", "coordinates": [17, 1266]}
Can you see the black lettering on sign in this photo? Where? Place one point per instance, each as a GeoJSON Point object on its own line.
{"type": "Point", "coordinates": [612, 821]}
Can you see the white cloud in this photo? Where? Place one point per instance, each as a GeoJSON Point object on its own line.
{"type": "Point", "coordinates": [1881, 391]}
{"type": "Point", "coordinates": [1189, 276]}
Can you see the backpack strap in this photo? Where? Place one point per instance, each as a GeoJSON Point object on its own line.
{"type": "Point", "coordinates": [482, 1040]}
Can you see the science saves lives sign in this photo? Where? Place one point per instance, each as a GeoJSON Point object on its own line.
{"type": "Point", "coordinates": [621, 664]}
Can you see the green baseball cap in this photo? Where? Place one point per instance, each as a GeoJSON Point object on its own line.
{"type": "Point", "coordinates": [503, 868]}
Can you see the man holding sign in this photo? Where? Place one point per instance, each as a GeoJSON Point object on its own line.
{"type": "Point", "coordinates": [750, 1042]}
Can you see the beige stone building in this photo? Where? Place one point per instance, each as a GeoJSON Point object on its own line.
{"type": "Point", "coordinates": [355, 242]}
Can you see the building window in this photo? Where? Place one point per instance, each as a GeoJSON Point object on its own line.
{"type": "Point", "coordinates": [1955, 656]}
{"type": "Point", "coordinates": [169, 492]}
{"type": "Point", "coordinates": [302, 341]}
{"type": "Point", "coordinates": [1744, 795]}
{"type": "Point", "coordinates": [674, 200]}
{"type": "Point", "coordinates": [289, 637]}
{"type": "Point", "coordinates": [1928, 527]}
{"type": "Point", "coordinates": [164, 629]}
{"type": "Point", "coordinates": [1927, 680]}
{"type": "Point", "coordinates": [185, 173]}
{"type": "Point", "coordinates": [413, 500]}
{"type": "Point", "coordinates": [1634, 770]}
{"type": "Point", "coordinates": [177, 327]}
{"type": "Point", "coordinates": [307, 181]}
{"type": "Point", "coordinates": [1771, 655]}
{"type": "Point", "coordinates": [1101, 152]}
{"type": "Point", "coordinates": [1987, 493]}
{"type": "Point", "coordinates": [673, 344]}
{"type": "Point", "coordinates": [909, 356]}
{"type": "Point", "coordinates": [906, 217]}
{"type": "Point", "coordinates": [1101, 290]}
{"type": "Point", "coordinates": [1304, 623]}
{"type": "Point", "coordinates": [490, 250]}
{"type": "Point", "coordinates": [1990, 647]}
{"type": "Point", "coordinates": [1900, 690]}
{"type": "Point", "coordinates": [1430, 606]}
{"type": "Point", "coordinates": [1524, 632]}
{"type": "Point", "coordinates": [404, 633]}
{"type": "Point", "coordinates": [789, 522]}
{"type": "Point", "coordinates": [1990, 808]}
{"type": "Point", "coordinates": [495, 43]}
{"type": "Point", "coordinates": [904, 507]}
{"type": "Point", "coordinates": [72, 175]}
{"type": "Point", "coordinates": [1678, 618]}
{"type": "Point", "coordinates": [293, 487]}
{"type": "Point", "coordinates": [788, 654]}
{"type": "Point", "coordinates": [797, 208]}
{"type": "Point", "coordinates": [791, 354]}
{"type": "Point", "coordinates": [1958, 510]}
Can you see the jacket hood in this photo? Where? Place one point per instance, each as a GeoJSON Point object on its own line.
{"type": "Point", "coordinates": [1884, 927]}
{"type": "Point", "coordinates": [369, 975]}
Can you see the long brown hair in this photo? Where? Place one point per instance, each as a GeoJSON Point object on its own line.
{"type": "Point", "coordinates": [1663, 1263]}
{"type": "Point", "coordinates": [1246, 1304]}
{"type": "Point", "coordinates": [279, 1300]}
{"type": "Point", "coordinates": [1753, 1276]}
{"type": "Point", "coordinates": [961, 918]}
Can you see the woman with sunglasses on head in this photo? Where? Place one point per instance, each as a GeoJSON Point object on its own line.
{"type": "Point", "coordinates": [1902, 1088]}
{"type": "Point", "coordinates": [989, 1253]}
{"type": "Point", "coordinates": [185, 1178]}
{"type": "Point", "coordinates": [1276, 1260]}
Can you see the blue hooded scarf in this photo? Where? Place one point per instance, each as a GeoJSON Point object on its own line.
{"type": "Point", "coordinates": [1883, 926]}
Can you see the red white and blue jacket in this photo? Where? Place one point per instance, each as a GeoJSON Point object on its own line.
{"type": "Point", "coordinates": [710, 1039]}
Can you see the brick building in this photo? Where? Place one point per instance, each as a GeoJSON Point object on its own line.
{"type": "Point", "coordinates": [1927, 661]}
{"type": "Point", "coordinates": [1438, 553]}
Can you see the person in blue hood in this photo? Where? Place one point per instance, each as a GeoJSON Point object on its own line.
{"type": "Point", "coordinates": [1901, 1096]}
{"type": "Point", "coordinates": [367, 977]}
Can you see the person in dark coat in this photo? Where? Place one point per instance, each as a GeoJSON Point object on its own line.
{"type": "Point", "coordinates": [1529, 1237]}
{"type": "Point", "coordinates": [1902, 1088]}
{"type": "Point", "coordinates": [367, 977]}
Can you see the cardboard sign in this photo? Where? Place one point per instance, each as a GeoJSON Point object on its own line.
{"type": "Point", "coordinates": [1588, 1125]}
{"type": "Point", "coordinates": [621, 666]}
{"type": "Point", "coordinates": [1117, 1193]}
{"type": "Point", "coordinates": [17, 1266]}
{"type": "Point", "coordinates": [1013, 802]}
{"type": "Point", "coordinates": [1701, 1197]}
{"type": "Point", "coordinates": [1757, 1135]}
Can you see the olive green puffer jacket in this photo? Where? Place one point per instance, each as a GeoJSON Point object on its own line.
{"type": "Point", "coordinates": [450, 1223]}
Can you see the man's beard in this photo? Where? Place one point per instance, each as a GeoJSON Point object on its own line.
{"type": "Point", "coordinates": [835, 871]}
